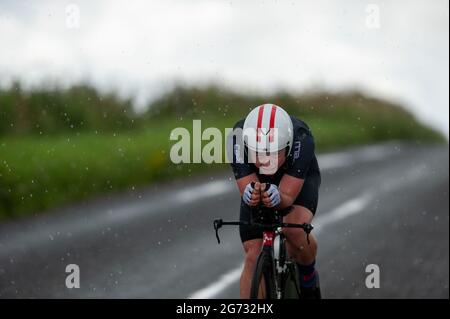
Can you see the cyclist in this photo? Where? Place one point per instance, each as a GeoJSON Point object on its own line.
{"type": "Point", "coordinates": [278, 151]}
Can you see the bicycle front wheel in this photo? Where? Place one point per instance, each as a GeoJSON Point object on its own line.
{"type": "Point", "coordinates": [263, 282]}
{"type": "Point", "coordinates": [290, 284]}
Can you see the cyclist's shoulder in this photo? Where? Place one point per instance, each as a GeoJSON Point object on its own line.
{"type": "Point", "coordinates": [303, 143]}
{"type": "Point", "coordinates": [239, 124]}
{"type": "Point", "coordinates": [301, 129]}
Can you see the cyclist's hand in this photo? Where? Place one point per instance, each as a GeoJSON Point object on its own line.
{"type": "Point", "coordinates": [271, 197]}
{"type": "Point", "coordinates": [252, 195]}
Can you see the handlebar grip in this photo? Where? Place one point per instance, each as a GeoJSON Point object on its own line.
{"type": "Point", "coordinates": [218, 223]}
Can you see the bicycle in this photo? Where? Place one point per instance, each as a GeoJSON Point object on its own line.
{"type": "Point", "coordinates": [275, 271]}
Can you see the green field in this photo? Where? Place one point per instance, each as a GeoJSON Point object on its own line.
{"type": "Point", "coordinates": [38, 172]}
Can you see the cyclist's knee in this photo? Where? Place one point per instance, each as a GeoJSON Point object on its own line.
{"type": "Point", "coordinates": [300, 254]}
{"type": "Point", "coordinates": [298, 215]}
{"type": "Point", "coordinates": [295, 236]}
{"type": "Point", "coordinates": [294, 250]}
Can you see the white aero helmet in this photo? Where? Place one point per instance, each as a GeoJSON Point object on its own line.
{"type": "Point", "coordinates": [268, 128]}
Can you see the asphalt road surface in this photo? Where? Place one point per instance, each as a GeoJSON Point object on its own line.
{"type": "Point", "coordinates": [386, 205]}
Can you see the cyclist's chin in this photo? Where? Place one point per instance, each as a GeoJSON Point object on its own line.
{"type": "Point", "coordinates": [268, 170]}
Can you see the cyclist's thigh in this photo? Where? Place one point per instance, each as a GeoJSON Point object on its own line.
{"type": "Point", "coordinates": [298, 215]}
{"type": "Point", "coordinates": [252, 248]}
{"type": "Point", "coordinates": [309, 195]}
{"type": "Point", "coordinates": [248, 232]}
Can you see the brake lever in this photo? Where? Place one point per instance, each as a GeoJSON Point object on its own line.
{"type": "Point", "coordinates": [218, 224]}
{"type": "Point", "coordinates": [308, 228]}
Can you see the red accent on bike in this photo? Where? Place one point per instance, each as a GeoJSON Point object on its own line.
{"type": "Point", "coordinates": [272, 122]}
{"type": "Point", "coordinates": [309, 276]}
{"type": "Point", "coordinates": [268, 237]}
{"type": "Point", "coordinates": [258, 126]}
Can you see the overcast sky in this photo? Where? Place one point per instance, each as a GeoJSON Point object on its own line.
{"type": "Point", "coordinates": [394, 49]}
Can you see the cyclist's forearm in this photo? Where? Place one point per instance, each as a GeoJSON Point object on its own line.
{"type": "Point", "coordinates": [286, 201]}
{"type": "Point", "coordinates": [290, 187]}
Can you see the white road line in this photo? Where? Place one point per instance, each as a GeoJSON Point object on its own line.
{"type": "Point", "coordinates": [347, 209]}
{"type": "Point", "coordinates": [361, 154]}
{"type": "Point", "coordinates": [220, 285]}
{"type": "Point", "coordinates": [201, 191]}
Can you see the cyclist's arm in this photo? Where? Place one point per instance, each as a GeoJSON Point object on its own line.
{"type": "Point", "coordinates": [289, 189]}
{"type": "Point", "coordinates": [292, 182]}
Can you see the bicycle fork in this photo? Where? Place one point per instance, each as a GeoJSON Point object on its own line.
{"type": "Point", "coordinates": [268, 248]}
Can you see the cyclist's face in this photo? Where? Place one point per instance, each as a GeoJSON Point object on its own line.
{"type": "Point", "coordinates": [268, 163]}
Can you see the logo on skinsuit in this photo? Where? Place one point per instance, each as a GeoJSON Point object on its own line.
{"type": "Point", "coordinates": [297, 146]}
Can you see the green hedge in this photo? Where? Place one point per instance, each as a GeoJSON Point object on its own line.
{"type": "Point", "coordinates": [40, 171]}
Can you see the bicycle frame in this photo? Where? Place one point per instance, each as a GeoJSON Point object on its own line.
{"type": "Point", "coordinates": [280, 262]}
{"type": "Point", "coordinates": [271, 226]}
